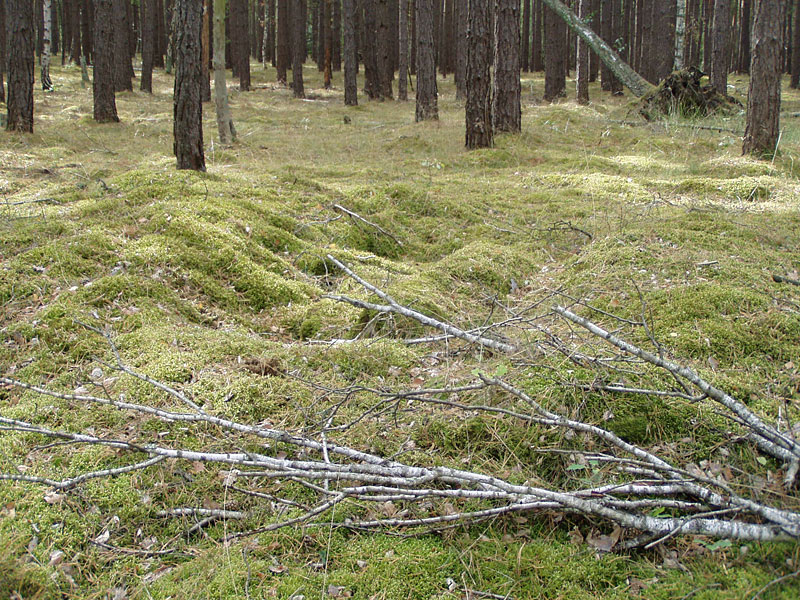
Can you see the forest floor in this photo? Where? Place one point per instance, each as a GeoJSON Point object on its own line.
{"type": "Point", "coordinates": [213, 283]}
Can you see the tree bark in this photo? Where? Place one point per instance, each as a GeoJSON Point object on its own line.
{"type": "Point", "coordinates": [148, 44]}
{"type": "Point", "coordinates": [764, 93]}
{"type": "Point", "coordinates": [384, 51]}
{"type": "Point", "coordinates": [121, 53]}
{"type": "Point", "coordinates": [282, 57]}
{"type": "Point", "coordinates": [350, 57]}
{"type": "Point", "coordinates": [20, 59]}
{"type": "Point", "coordinates": [795, 80]}
{"type": "Point", "coordinates": [240, 42]}
{"type": "Point", "coordinates": [461, 50]}
{"type": "Point", "coordinates": [680, 33]}
{"type": "Point", "coordinates": [427, 106]}
{"type": "Point", "coordinates": [479, 132]}
{"type": "Point", "coordinates": [506, 108]}
{"type": "Point", "coordinates": [336, 49]}
{"type": "Point", "coordinates": [2, 49]}
{"type": "Point", "coordinates": [47, 84]}
{"type": "Point", "coordinates": [328, 44]}
{"type": "Point", "coordinates": [582, 60]}
{"type": "Point", "coordinates": [187, 105]}
{"type": "Point", "coordinates": [206, 51]}
{"type": "Point", "coordinates": [227, 132]}
{"type": "Point", "coordinates": [744, 38]}
{"type": "Point", "coordinates": [372, 84]}
{"type": "Point", "coordinates": [719, 50]}
{"type": "Point", "coordinates": [629, 78]}
{"type": "Point", "coordinates": [554, 59]}
{"type": "Point", "coordinates": [525, 49]}
{"type": "Point", "coordinates": [402, 76]}
{"type": "Point", "coordinates": [105, 106]}
{"type": "Point", "coordinates": [298, 48]}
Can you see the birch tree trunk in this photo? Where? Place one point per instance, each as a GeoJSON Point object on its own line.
{"type": "Point", "coordinates": [47, 84]}
{"type": "Point", "coordinates": [227, 133]}
{"type": "Point", "coordinates": [629, 78]}
{"type": "Point", "coordinates": [680, 33]}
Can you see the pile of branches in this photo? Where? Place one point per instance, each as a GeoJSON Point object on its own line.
{"type": "Point", "coordinates": [683, 94]}
{"type": "Point", "coordinates": [647, 496]}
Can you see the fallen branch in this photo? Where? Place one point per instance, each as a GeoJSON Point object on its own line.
{"type": "Point", "coordinates": [781, 279]}
{"type": "Point", "coordinates": [357, 217]}
{"type": "Point", "coordinates": [392, 306]}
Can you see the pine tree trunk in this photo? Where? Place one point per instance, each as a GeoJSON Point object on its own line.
{"type": "Point", "coordinates": [370, 53]}
{"type": "Point", "coordinates": [328, 44]}
{"type": "Point", "coordinates": [148, 44]}
{"type": "Point", "coordinates": [336, 50]}
{"type": "Point", "coordinates": [744, 38]}
{"type": "Point", "coordinates": [20, 47]}
{"type": "Point", "coordinates": [205, 95]}
{"type": "Point", "coordinates": [427, 106]}
{"type": "Point", "coordinates": [385, 69]}
{"type": "Point", "coordinates": [460, 48]}
{"type": "Point", "coordinates": [719, 50]}
{"type": "Point", "coordinates": [506, 109]}
{"type": "Point", "coordinates": [2, 49]}
{"type": "Point", "coordinates": [402, 78]}
{"type": "Point", "coordinates": [554, 59]}
{"type": "Point", "coordinates": [121, 53]}
{"type": "Point", "coordinates": [479, 132]}
{"type": "Point", "coordinates": [795, 80]}
{"type": "Point", "coordinates": [350, 57]}
{"type": "Point", "coordinates": [105, 106]}
{"type": "Point", "coordinates": [298, 48]}
{"type": "Point", "coordinates": [525, 50]}
{"type": "Point", "coordinates": [582, 60]}
{"type": "Point", "coordinates": [227, 133]}
{"type": "Point", "coordinates": [282, 57]}
{"type": "Point", "coordinates": [240, 42]}
{"type": "Point", "coordinates": [188, 108]}
{"type": "Point", "coordinates": [764, 93]}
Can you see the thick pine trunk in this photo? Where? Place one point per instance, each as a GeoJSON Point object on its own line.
{"type": "Point", "coordinates": [121, 53]}
{"type": "Point", "coordinates": [764, 93]}
{"type": "Point", "coordinates": [479, 132]}
{"type": "Point", "coordinates": [20, 47]}
{"type": "Point", "coordinates": [555, 67]}
{"type": "Point", "coordinates": [188, 107]}
{"type": "Point", "coordinates": [582, 60]}
{"type": "Point", "coordinates": [525, 49]}
{"type": "Point", "coordinates": [240, 42]}
{"type": "Point", "coordinates": [744, 38]}
{"type": "Point", "coordinates": [282, 57]}
{"type": "Point", "coordinates": [227, 133]}
{"type": "Point", "coordinates": [105, 106]}
{"type": "Point", "coordinates": [206, 54]}
{"type": "Point", "coordinates": [506, 109]}
{"type": "Point", "coordinates": [402, 67]}
{"type": "Point", "coordinates": [427, 106]}
{"type": "Point", "coordinates": [350, 57]}
{"type": "Point", "coordinates": [719, 50]}
{"type": "Point", "coordinates": [384, 51]}
{"type": "Point", "coordinates": [148, 44]}
{"type": "Point", "coordinates": [298, 48]}
{"type": "Point", "coordinates": [795, 80]}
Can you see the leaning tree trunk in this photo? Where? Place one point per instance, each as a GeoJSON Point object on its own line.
{"type": "Point", "coordinates": [105, 106]}
{"type": "Point", "coordinates": [187, 104]}
{"type": "Point", "coordinates": [764, 93]}
{"type": "Point", "coordinates": [427, 102]}
{"type": "Point", "coordinates": [719, 49]}
{"type": "Point", "coordinates": [227, 133]}
{"type": "Point", "coordinates": [479, 89]}
{"type": "Point", "coordinates": [582, 60]}
{"type": "Point", "coordinates": [629, 78]}
{"type": "Point", "coordinates": [47, 84]}
{"type": "Point", "coordinates": [350, 57]}
{"type": "Point", "coordinates": [298, 38]}
{"type": "Point", "coordinates": [148, 44]}
{"type": "Point", "coordinates": [20, 46]}
{"type": "Point", "coordinates": [506, 109]}
{"type": "Point", "coordinates": [402, 62]}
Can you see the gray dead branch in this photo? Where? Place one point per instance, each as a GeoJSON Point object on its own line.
{"type": "Point", "coordinates": [649, 496]}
